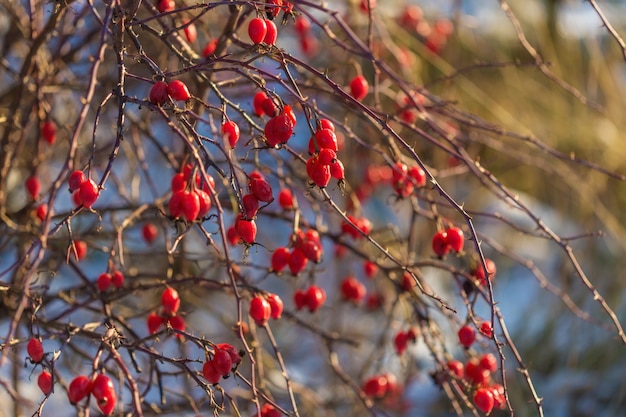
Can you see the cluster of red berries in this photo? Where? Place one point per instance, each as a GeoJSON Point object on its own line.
{"type": "Point", "coordinates": [324, 163]}
{"type": "Point", "coordinates": [405, 179]}
{"type": "Point", "coordinates": [434, 36]}
{"type": "Point", "coordinates": [264, 307]}
{"type": "Point", "coordinates": [190, 199]}
{"type": "Point", "coordinates": [101, 387]}
{"type": "Point", "coordinates": [170, 303]}
{"type": "Point", "coordinates": [225, 359]}
{"type": "Point", "coordinates": [307, 246]}
{"type": "Point", "coordinates": [279, 128]}
{"type": "Point", "coordinates": [106, 279]}
{"type": "Point", "coordinates": [162, 91]}
{"type": "Point", "coordinates": [477, 371]}
{"type": "Point", "coordinates": [402, 338]}
{"type": "Point", "coordinates": [84, 190]}
{"type": "Point", "coordinates": [312, 298]}
{"type": "Point", "coordinates": [262, 31]}
{"type": "Point", "coordinates": [446, 240]}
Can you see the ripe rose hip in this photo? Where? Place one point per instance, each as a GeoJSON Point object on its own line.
{"type": "Point", "coordinates": [211, 374]}
{"type": "Point", "coordinates": [297, 261]}
{"type": "Point", "coordinates": [230, 131]}
{"type": "Point", "coordinates": [117, 278]}
{"type": "Point", "coordinates": [158, 92]}
{"type": "Point", "coordinates": [35, 350]}
{"type": "Point", "coordinates": [178, 90]}
{"type": "Point", "coordinates": [42, 212]}
{"type": "Point", "coordinates": [80, 250]}
{"type": "Point", "coordinates": [259, 186]}
{"type": "Point", "coordinates": [190, 32]}
{"type": "Point", "coordinates": [376, 386]}
{"type": "Point", "coordinates": [479, 273]}
{"type": "Point", "coordinates": [257, 30]}
{"type": "Point", "coordinates": [44, 381]}
{"type": "Point", "coordinates": [483, 400]}
{"type": "Point", "coordinates": [166, 6]}
{"type": "Point", "coordinates": [210, 48]}
{"type": "Point", "coordinates": [79, 388]}
{"type": "Point", "coordinates": [276, 306]}
{"type": "Point", "coordinates": [440, 244]}
{"type": "Point", "coordinates": [271, 33]}
{"type": "Point", "coordinates": [49, 131]}
{"type": "Point", "coordinates": [370, 269]}
{"type": "Point", "coordinates": [260, 310]}
{"type": "Point", "coordinates": [170, 300]}
{"type": "Point", "coordinates": [486, 329]}
{"type": "Point", "coordinates": [259, 99]}
{"type": "Point", "coordinates": [190, 205]}
{"type": "Point", "coordinates": [455, 239]}
{"type": "Point", "coordinates": [489, 362]}
{"type": "Point", "coordinates": [359, 87]}
{"type": "Point", "coordinates": [475, 374]}
{"type": "Point", "coordinates": [88, 193]}
{"type": "Point", "coordinates": [280, 259]}
{"type": "Point", "coordinates": [222, 361]}
{"type": "Point", "coordinates": [286, 199]}
{"type": "Point", "coordinates": [177, 323]}
{"type": "Point", "coordinates": [154, 323]}
{"type": "Point", "coordinates": [302, 25]}
{"type": "Point", "coordinates": [104, 281]}
{"type": "Point", "coordinates": [33, 186]}
{"type": "Point", "coordinates": [456, 368]}
{"type": "Point", "coordinates": [352, 290]}
{"type": "Point", "coordinates": [246, 229]}
{"type": "Point", "coordinates": [234, 353]}
{"type": "Point", "coordinates": [149, 232]}
{"type": "Point", "coordinates": [104, 393]}
{"type": "Point", "coordinates": [315, 298]}
{"type": "Point", "coordinates": [467, 336]}
{"type": "Point", "coordinates": [401, 342]}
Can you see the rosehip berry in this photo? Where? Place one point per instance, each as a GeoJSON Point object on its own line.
{"type": "Point", "coordinates": [376, 386]}
{"type": "Point", "coordinates": [483, 399]}
{"type": "Point", "coordinates": [467, 336]}
{"type": "Point", "coordinates": [190, 32]}
{"type": "Point", "coordinates": [210, 48]}
{"type": "Point", "coordinates": [35, 350]}
{"type": "Point", "coordinates": [488, 362]}
{"type": "Point", "coordinates": [297, 261]}
{"type": "Point", "coordinates": [259, 186]}
{"type": "Point", "coordinates": [418, 175]}
{"type": "Point", "coordinates": [260, 310]}
{"type": "Point", "coordinates": [170, 300]}
{"type": "Point", "coordinates": [117, 278]}
{"type": "Point", "coordinates": [246, 229]}
{"type": "Point", "coordinates": [80, 250]}
{"type": "Point", "coordinates": [302, 25]}
{"type": "Point", "coordinates": [359, 87]}
{"type": "Point", "coordinates": [49, 131]}
{"type": "Point", "coordinates": [79, 388]}
{"type": "Point", "coordinates": [268, 410]}
{"type": "Point", "coordinates": [352, 290]}
{"type": "Point", "coordinates": [499, 400]}
{"type": "Point", "coordinates": [44, 381]}
{"type": "Point", "coordinates": [88, 193]}
{"type": "Point", "coordinates": [154, 323]}
{"type": "Point", "coordinates": [222, 361]}
{"type": "Point", "coordinates": [276, 306]}
{"type": "Point", "coordinates": [211, 374]}
{"type": "Point", "coordinates": [269, 107]}
{"type": "Point", "coordinates": [286, 199]}
{"type": "Point", "coordinates": [149, 232]}
{"type": "Point", "coordinates": [271, 33]}
{"type": "Point", "coordinates": [257, 30]}
{"type": "Point", "coordinates": [166, 6]}
{"type": "Point", "coordinates": [42, 212]}
{"type": "Point", "coordinates": [280, 259]}
{"type": "Point", "coordinates": [234, 353]}
{"type": "Point", "coordinates": [456, 368]}
{"type": "Point", "coordinates": [259, 99]}
{"type": "Point", "coordinates": [315, 298]}
{"type": "Point", "coordinates": [455, 239]}
{"type": "Point", "coordinates": [278, 130]}
{"type": "Point", "coordinates": [401, 342]}
{"type": "Point", "coordinates": [323, 138]}
{"type": "Point", "coordinates": [158, 92]}
{"type": "Point", "coordinates": [440, 244]}
{"type": "Point", "coordinates": [177, 323]}
{"type": "Point", "coordinates": [479, 273]}
{"type": "Point", "coordinates": [178, 90]}
{"type": "Point", "coordinates": [104, 281]}
{"type": "Point", "coordinates": [33, 187]}
{"type": "Point", "coordinates": [190, 205]}
{"type": "Point", "coordinates": [408, 282]}
{"type": "Point", "coordinates": [232, 235]}
{"type": "Point", "coordinates": [337, 170]}
{"type": "Point", "coordinates": [230, 131]}
{"type": "Point", "coordinates": [370, 269]}
{"type": "Point", "coordinates": [104, 393]}
{"type": "Point", "coordinates": [486, 329]}
{"type": "Point", "coordinates": [205, 203]}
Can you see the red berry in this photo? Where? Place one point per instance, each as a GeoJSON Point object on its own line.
{"type": "Point", "coordinates": [44, 381]}
{"type": "Point", "coordinates": [401, 341]}
{"type": "Point", "coordinates": [149, 232]}
{"type": "Point", "coordinates": [205, 203]}
{"type": "Point", "coordinates": [418, 175]}
{"type": "Point", "coordinates": [318, 173]}
{"type": "Point", "coordinates": [49, 131]}
{"type": "Point", "coordinates": [257, 30]}
{"type": "Point", "coordinates": [79, 388]}
{"type": "Point", "coordinates": [80, 250]}
{"type": "Point", "coordinates": [499, 400]}
{"type": "Point", "coordinates": [367, 5]}
{"type": "Point", "coordinates": [170, 300]}
{"type": "Point", "coordinates": [455, 239]}
{"type": "Point", "coordinates": [154, 323]}
{"type": "Point", "coordinates": [302, 25]}
{"type": "Point", "coordinates": [35, 350]}
{"type": "Point", "coordinates": [117, 278]}
{"type": "Point", "coordinates": [286, 199]}
{"type": "Point", "coordinates": [475, 374]}
{"type": "Point", "coordinates": [260, 310]}
{"type": "Point", "coordinates": [33, 186]}
{"type": "Point", "coordinates": [480, 272]}
{"type": "Point", "coordinates": [289, 113]}
{"type": "Point", "coordinates": [178, 182]}
{"type": "Point", "coordinates": [104, 393]}
{"type": "Point", "coordinates": [370, 269]}
{"type": "Point", "coordinates": [174, 205]}
{"type": "Point", "coordinates": [250, 205]}
{"type": "Point", "coordinates": [210, 48]}
{"type": "Point", "coordinates": [232, 235]}
{"type": "Point", "coordinates": [271, 33]}
{"type": "Point", "coordinates": [104, 281]}
{"type": "Point", "coordinates": [315, 298]}
{"type": "Point", "coordinates": [268, 410]}
{"type": "Point", "coordinates": [408, 282]}
{"type": "Point", "coordinates": [259, 99]}
{"type": "Point", "coordinates": [376, 386]}
{"type": "Point", "coordinates": [166, 6]}
{"type": "Point", "coordinates": [158, 92]}
{"type": "Point", "coordinates": [440, 244]}
{"type": "Point", "coordinates": [178, 90]}
{"type": "Point", "coordinates": [483, 399]}
{"type": "Point", "coordinates": [278, 130]}
{"type": "Point", "coordinates": [246, 229]}
{"type": "Point", "coordinates": [177, 323]}
{"type": "Point", "coordinates": [42, 212]}
{"type": "Point", "coordinates": [486, 329]}
{"type": "Point", "coordinates": [190, 205]}
{"type": "Point", "coordinates": [211, 374]}
{"type": "Point", "coordinates": [359, 87]}
{"type": "Point", "coordinates": [276, 305]}
{"type": "Point", "coordinates": [488, 362]}
{"type": "Point", "coordinates": [260, 187]}
{"type": "Point", "coordinates": [88, 193]}
{"type": "Point", "coordinates": [222, 361]}
{"type": "Point", "coordinates": [234, 354]}
{"type": "Point", "coordinates": [324, 138]}
{"type": "Point", "coordinates": [190, 32]}
{"type": "Point", "coordinates": [352, 290]}
{"type": "Point", "coordinates": [297, 261]}
{"type": "Point", "coordinates": [456, 368]}
{"type": "Point", "coordinates": [300, 299]}
{"type": "Point", "coordinates": [337, 170]}
{"type": "Point", "coordinates": [76, 179]}
{"type": "Point", "coordinates": [230, 131]}
{"type": "Point", "coordinates": [467, 336]}
{"type": "Point", "coordinates": [269, 107]}
{"type": "Point", "coordinates": [280, 259]}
